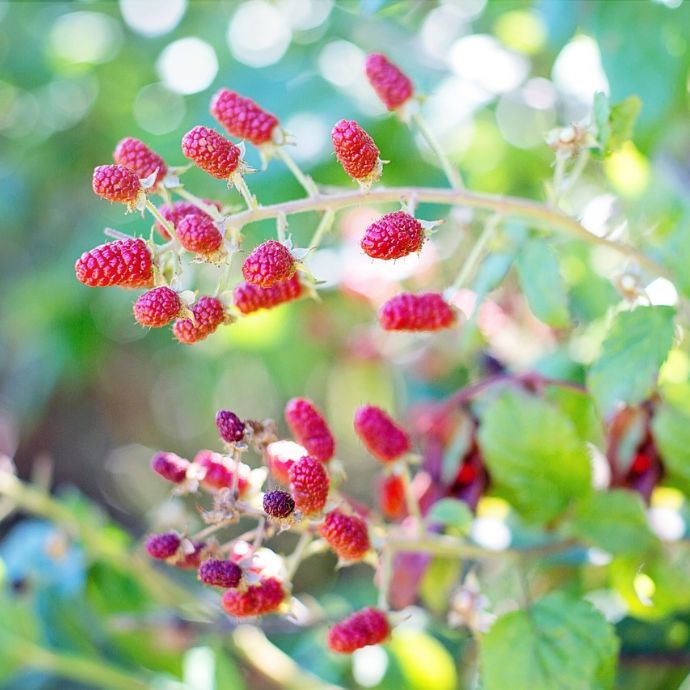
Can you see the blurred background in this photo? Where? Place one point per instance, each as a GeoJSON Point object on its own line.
{"type": "Point", "coordinates": [86, 392]}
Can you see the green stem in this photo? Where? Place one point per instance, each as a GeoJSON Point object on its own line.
{"type": "Point", "coordinates": [307, 183]}
{"type": "Point", "coordinates": [241, 186]}
{"type": "Point", "coordinates": [296, 556]}
{"type": "Point", "coordinates": [473, 258]}
{"type": "Point", "coordinates": [157, 215]}
{"type": "Point", "coordinates": [386, 574]}
{"type": "Point", "coordinates": [575, 173]}
{"type": "Point", "coordinates": [199, 203]}
{"type": "Point", "coordinates": [324, 226]}
{"type": "Point", "coordinates": [452, 174]}
{"type": "Point", "coordinates": [410, 498]}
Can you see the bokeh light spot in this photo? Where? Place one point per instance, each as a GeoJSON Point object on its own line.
{"type": "Point", "coordinates": [89, 37]}
{"type": "Point", "coordinates": [258, 34]}
{"type": "Point", "coordinates": [152, 17]}
{"type": "Point", "coordinates": [157, 109]}
{"type": "Point", "coordinates": [188, 65]}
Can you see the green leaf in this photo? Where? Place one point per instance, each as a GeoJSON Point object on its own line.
{"type": "Point", "coordinates": [439, 578]}
{"type": "Point", "coordinates": [18, 626]}
{"type": "Point", "coordinates": [601, 110]}
{"type": "Point", "coordinates": [671, 428]}
{"type": "Point", "coordinates": [622, 121]}
{"type": "Point", "coordinates": [534, 455]}
{"type": "Point", "coordinates": [636, 346]}
{"type": "Point", "coordinates": [579, 407]}
{"type": "Point", "coordinates": [424, 662]}
{"type": "Point", "coordinates": [542, 283]}
{"type": "Point", "coordinates": [676, 255]}
{"type": "Point", "coordinates": [614, 521]}
{"type": "Point", "coordinates": [558, 644]}
{"type": "Point", "coordinates": [451, 513]}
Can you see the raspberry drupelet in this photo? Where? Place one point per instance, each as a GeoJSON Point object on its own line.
{"type": "Point", "coordinates": [269, 263]}
{"type": "Point", "coordinates": [392, 86]}
{"type": "Point", "coordinates": [256, 600]}
{"type": "Point", "coordinates": [356, 152]}
{"type": "Point", "coordinates": [250, 298]}
{"type": "Point", "coordinates": [230, 426]}
{"type": "Point", "coordinates": [393, 236]}
{"type": "Point", "coordinates": [123, 263]}
{"type": "Point", "coordinates": [217, 472]}
{"type": "Point", "coordinates": [170, 466]}
{"type": "Point", "coordinates": [211, 152]}
{"type": "Point", "coordinates": [278, 504]}
{"type": "Point", "coordinates": [391, 497]}
{"type": "Point", "coordinates": [208, 315]}
{"type": "Point", "coordinates": [366, 627]}
{"type": "Point", "coordinates": [157, 308]}
{"type": "Point", "coordinates": [117, 183]}
{"type": "Point", "coordinates": [198, 234]}
{"type": "Point", "coordinates": [384, 439]}
{"type": "Point", "coordinates": [138, 157]}
{"type": "Point", "coordinates": [219, 573]}
{"type": "Point", "coordinates": [347, 535]}
{"type": "Point", "coordinates": [177, 210]}
{"type": "Point", "coordinates": [310, 429]}
{"type": "Point", "coordinates": [163, 546]}
{"type": "Point", "coordinates": [309, 485]}
{"type": "Point", "coordinates": [408, 312]}
{"type": "Point", "coordinates": [242, 117]}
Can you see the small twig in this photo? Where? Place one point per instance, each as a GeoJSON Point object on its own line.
{"type": "Point", "coordinates": [307, 182]}
{"type": "Point", "coordinates": [452, 173]}
{"type": "Point", "coordinates": [324, 226]}
{"type": "Point", "coordinates": [295, 557]}
{"type": "Point", "coordinates": [169, 228]}
{"type": "Point", "coordinates": [199, 203]}
{"type": "Point", "coordinates": [386, 561]}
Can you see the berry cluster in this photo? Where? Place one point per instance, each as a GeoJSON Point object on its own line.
{"type": "Point", "coordinates": [195, 230]}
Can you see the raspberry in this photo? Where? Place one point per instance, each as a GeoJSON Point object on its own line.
{"type": "Point", "coordinates": [242, 117]}
{"type": "Point", "coordinates": [281, 456]}
{"type": "Point", "coordinates": [157, 307]}
{"type": "Point", "coordinates": [170, 466]}
{"type": "Point", "coordinates": [392, 497]}
{"type": "Point", "coordinates": [162, 546]}
{"type": "Point", "coordinates": [218, 472]}
{"type": "Point", "coordinates": [219, 573]}
{"type": "Point", "coordinates": [383, 438]}
{"type": "Point", "coordinates": [361, 629]}
{"type": "Point", "coordinates": [390, 84]}
{"type": "Point", "coordinates": [249, 298]}
{"type": "Point", "coordinates": [208, 315]}
{"type": "Point", "coordinates": [393, 236]}
{"type": "Point", "coordinates": [347, 535]}
{"type": "Point", "coordinates": [211, 152]}
{"type": "Point", "coordinates": [407, 312]}
{"type": "Point", "coordinates": [310, 429]}
{"type": "Point", "coordinates": [264, 597]}
{"type": "Point", "coordinates": [278, 504]}
{"type": "Point", "coordinates": [116, 183]}
{"type": "Point", "coordinates": [230, 426]}
{"type": "Point", "coordinates": [193, 558]}
{"type": "Point", "coordinates": [356, 151]}
{"type": "Point", "coordinates": [176, 211]}
{"type": "Point", "coordinates": [309, 485]}
{"type": "Point", "coordinates": [125, 263]}
{"type": "Point", "coordinates": [268, 264]}
{"type": "Point", "coordinates": [138, 157]}
{"type": "Point", "coordinates": [198, 233]}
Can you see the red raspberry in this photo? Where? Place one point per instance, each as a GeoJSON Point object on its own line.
{"type": "Point", "coordinates": [347, 535]}
{"type": "Point", "coordinates": [230, 426]}
{"type": "Point", "coordinates": [163, 546]}
{"type": "Point", "coordinates": [116, 183]}
{"type": "Point", "coordinates": [125, 263]}
{"type": "Point", "coordinates": [407, 312]}
{"type": "Point", "coordinates": [356, 151]}
{"type": "Point", "coordinates": [361, 629]}
{"type": "Point", "coordinates": [310, 429]}
{"type": "Point", "coordinates": [219, 573]}
{"type": "Point", "coordinates": [393, 236]}
{"type": "Point", "coordinates": [383, 438]}
{"type": "Point", "coordinates": [211, 152]}
{"type": "Point", "coordinates": [309, 485]}
{"type": "Point", "coordinates": [392, 497]}
{"type": "Point", "coordinates": [268, 264]}
{"type": "Point", "coordinates": [190, 560]}
{"type": "Point", "coordinates": [170, 466]}
{"type": "Point", "coordinates": [278, 504]}
{"type": "Point", "coordinates": [138, 157]}
{"type": "Point", "coordinates": [390, 84]}
{"type": "Point", "coordinates": [208, 314]}
{"type": "Point", "coordinates": [176, 211]}
{"type": "Point", "coordinates": [249, 298]}
{"type": "Point", "coordinates": [218, 471]}
{"type": "Point", "coordinates": [157, 307]}
{"type": "Point", "coordinates": [264, 597]}
{"type": "Point", "coordinates": [242, 117]}
{"type": "Point", "coordinates": [281, 456]}
{"type": "Point", "coordinates": [198, 234]}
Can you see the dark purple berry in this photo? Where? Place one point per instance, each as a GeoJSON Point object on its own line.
{"type": "Point", "coordinates": [220, 573]}
{"type": "Point", "coordinates": [278, 504]}
{"type": "Point", "coordinates": [230, 426]}
{"type": "Point", "coordinates": [163, 546]}
{"type": "Point", "coordinates": [170, 466]}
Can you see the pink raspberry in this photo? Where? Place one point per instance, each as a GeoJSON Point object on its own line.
{"type": "Point", "coordinates": [125, 263]}
{"type": "Point", "coordinates": [217, 573]}
{"type": "Point", "coordinates": [208, 314]}
{"type": "Point", "coordinates": [281, 456]}
{"type": "Point", "coordinates": [170, 466]}
{"type": "Point", "coordinates": [393, 236]}
{"type": "Point", "coordinates": [211, 152]}
{"type": "Point", "coordinates": [256, 600]}
{"type": "Point", "coordinates": [176, 211]}
{"type": "Point", "coordinates": [310, 429]}
{"type": "Point", "coordinates": [347, 535]}
{"type": "Point", "coordinates": [268, 264]}
{"type": "Point", "coordinates": [392, 86]}
{"type": "Point", "coordinates": [366, 627]}
{"type": "Point", "coordinates": [242, 117]}
{"type": "Point", "coordinates": [138, 157]}
{"type": "Point", "coordinates": [309, 485]}
{"type": "Point", "coordinates": [383, 438]}
{"type": "Point", "coordinates": [356, 151]}
{"type": "Point", "coordinates": [278, 504]}
{"type": "Point", "coordinates": [391, 497]}
{"type": "Point", "coordinates": [198, 234]}
{"type": "Point", "coordinates": [249, 298]}
{"type": "Point", "coordinates": [163, 546]}
{"type": "Point", "coordinates": [157, 307]}
{"type": "Point", "coordinates": [408, 312]}
{"type": "Point", "coordinates": [218, 472]}
{"type": "Point", "coordinates": [230, 426]}
{"type": "Point", "coordinates": [116, 183]}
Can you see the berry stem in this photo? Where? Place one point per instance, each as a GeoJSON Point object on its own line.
{"type": "Point", "coordinates": [241, 186]}
{"type": "Point", "coordinates": [575, 173]}
{"type": "Point", "coordinates": [207, 531]}
{"type": "Point", "coordinates": [324, 226]}
{"type": "Point", "coordinates": [170, 229]}
{"type": "Point", "coordinates": [305, 180]}
{"type": "Point", "coordinates": [386, 561]}
{"type": "Point", "coordinates": [296, 556]}
{"type": "Point", "coordinates": [116, 234]}
{"type": "Point", "coordinates": [453, 175]}
{"type": "Point", "coordinates": [410, 498]}
{"type": "Point", "coordinates": [199, 203]}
